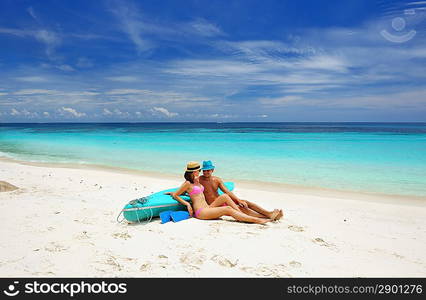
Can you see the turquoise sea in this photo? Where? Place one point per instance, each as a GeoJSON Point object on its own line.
{"type": "Point", "coordinates": [386, 158]}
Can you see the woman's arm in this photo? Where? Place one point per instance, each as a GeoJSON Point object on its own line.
{"type": "Point", "coordinates": [183, 188]}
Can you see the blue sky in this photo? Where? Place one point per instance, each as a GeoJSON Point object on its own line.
{"type": "Point", "coordinates": [219, 61]}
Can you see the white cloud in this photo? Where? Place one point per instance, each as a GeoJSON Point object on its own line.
{"type": "Point", "coordinates": [263, 50]}
{"type": "Point", "coordinates": [308, 88]}
{"type": "Point", "coordinates": [414, 100]}
{"type": "Point", "coordinates": [117, 112]}
{"type": "Point", "coordinates": [123, 78]}
{"type": "Point", "coordinates": [72, 112]}
{"type": "Point", "coordinates": [164, 111]}
{"type": "Point", "coordinates": [14, 112]}
{"type": "Point", "coordinates": [207, 116]}
{"type": "Point", "coordinates": [52, 39]}
{"type": "Point", "coordinates": [144, 32]}
{"type": "Point", "coordinates": [16, 32]}
{"type": "Point", "coordinates": [204, 28]}
{"type": "Point", "coordinates": [139, 95]}
{"type": "Point", "coordinates": [46, 114]}
{"type": "Point", "coordinates": [29, 92]}
{"type": "Point", "coordinates": [30, 10]}
{"type": "Point", "coordinates": [83, 93]}
{"type": "Point", "coordinates": [212, 67]}
{"type": "Point", "coordinates": [127, 91]}
{"type": "Point", "coordinates": [324, 62]}
{"type": "Point", "coordinates": [279, 101]}
{"type": "Point", "coordinates": [23, 112]}
{"type": "Point", "coordinates": [106, 112]}
{"type": "Point", "coordinates": [216, 116]}
{"type": "Point", "coordinates": [29, 114]}
{"type": "Point", "coordinates": [64, 67]}
{"type": "Point", "coordinates": [121, 113]}
{"type": "Point", "coordinates": [131, 24]}
{"type": "Point", "coordinates": [32, 79]}
{"type": "Point", "coordinates": [90, 36]}
{"type": "Point", "coordinates": [35, 91]}
{"type": "Point", "coordinates": [49, 38]}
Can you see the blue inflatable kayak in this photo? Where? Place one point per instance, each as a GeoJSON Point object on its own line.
{"type": "Point", "coordinates": [145, 208]}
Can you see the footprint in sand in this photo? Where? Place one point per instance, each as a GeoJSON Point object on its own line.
{"type": "Point", "coordinates": [55, 247]}
{"type": "Point", "coordinates": [145, 267]}
{"type": "Point", "coordinates": [43, 274]}
{"type": "Point", "coordinates": [82, 236]}
{"type": "Point", "coordinates": [121, 235]}
{"type": "Point", "coordinates": [267, 270]}
{"type": "Point", "coordinates": [321, 242]}
{"type": "Point", "coordinates": [397, 255]}
{"type": "Point", "coordinates": [108, 260]}
{"type": "Point", "coordinates": [246, 235]}
{"type": "Point", "coordinates": [84, 221]}
{"type": "Point", "coordinates": [112, 261]}
{"type": "Point", "coordinates": [192, 259]}
{"type": "Point", "coordinates": [296, 228]}
{"type": "Point", "coordinates": [295, 264]}
{"type": "Point", "coordinates": [223, 261]}
{"type": "Point", "coordinates": [161, 262]}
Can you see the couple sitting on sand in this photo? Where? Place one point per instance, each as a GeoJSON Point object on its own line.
{"type": "Point", "coordinates": [203, 191]}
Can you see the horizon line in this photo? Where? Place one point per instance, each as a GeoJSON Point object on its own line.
{"type": "Point", "coordinates": [177, 122]}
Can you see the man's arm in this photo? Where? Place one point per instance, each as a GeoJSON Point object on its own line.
{"type": "Point", "coordinates": [224, 189]}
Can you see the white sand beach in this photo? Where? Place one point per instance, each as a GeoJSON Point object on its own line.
{"type": "Point", "coordinates": [61, 222]}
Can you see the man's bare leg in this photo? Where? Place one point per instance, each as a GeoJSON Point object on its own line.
{"type": "Point", "coordinates": [261, 211]}
{"type": "Point", "coordinates": [253, 213]}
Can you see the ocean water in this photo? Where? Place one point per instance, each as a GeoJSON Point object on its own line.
{"type": "Point", "coordinates": [386, 158]}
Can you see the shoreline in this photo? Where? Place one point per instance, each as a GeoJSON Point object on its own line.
{"type": "Point", "coordinates": [247, 184]}
{"type": "Point", "coordinates": [61, 222]}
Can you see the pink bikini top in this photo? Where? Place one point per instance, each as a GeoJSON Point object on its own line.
{"type": "Point", "coordinates": [196, 190]}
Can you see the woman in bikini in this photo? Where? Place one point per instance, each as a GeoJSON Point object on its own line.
{"type": "Point", "coordinates": [217, 208]}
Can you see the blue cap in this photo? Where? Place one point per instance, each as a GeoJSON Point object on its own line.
{"type": "Point", "coordinates": [207, 165]}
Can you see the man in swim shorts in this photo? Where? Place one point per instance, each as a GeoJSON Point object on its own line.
{"type": "Point", "coordinates": [212, 183]}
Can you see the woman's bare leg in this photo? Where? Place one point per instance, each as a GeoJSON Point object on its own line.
{"type": "Point", "coordinates": [222, 199]}
{"type": "Point", "coordinates": [209, 213]}
{"type": "Point", "coordinates": [253, 209]}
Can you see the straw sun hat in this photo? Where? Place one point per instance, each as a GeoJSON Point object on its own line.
{"type": "Point", "coordinates": [192, 166]}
